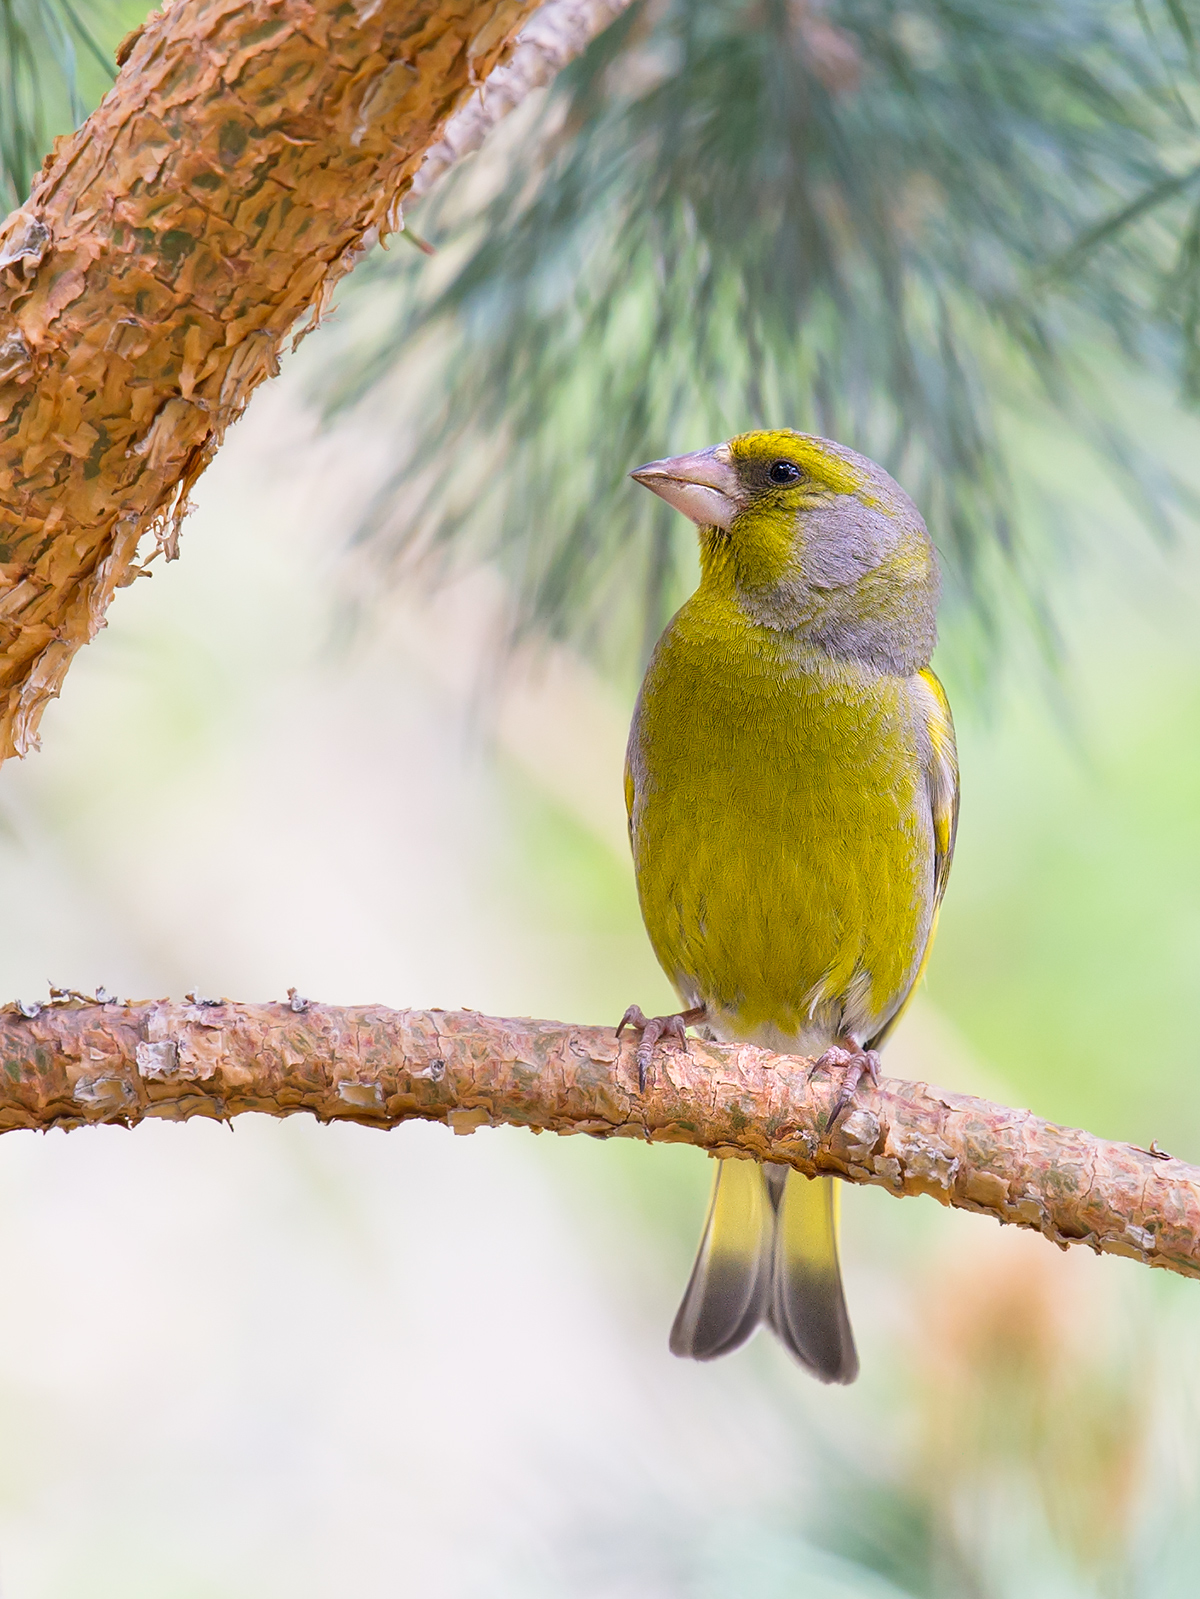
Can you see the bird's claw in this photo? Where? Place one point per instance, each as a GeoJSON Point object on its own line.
{"type": "Point", "coordinates": [857, 1063]}
{"type": "Point", "coordinates": [653, 1029]}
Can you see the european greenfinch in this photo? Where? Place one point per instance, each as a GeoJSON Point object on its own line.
{"type": "Point", "coordinates": [792, 790]}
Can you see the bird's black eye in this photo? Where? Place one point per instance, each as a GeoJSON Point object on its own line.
{"type": "Point", "coordinates": [783, 472]}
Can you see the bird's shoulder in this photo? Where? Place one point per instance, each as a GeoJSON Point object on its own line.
{"type": "Point", "coordinates": [728, 678]}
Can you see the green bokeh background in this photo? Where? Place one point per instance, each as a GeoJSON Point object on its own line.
{"type": "Point", "coordinates": [303, 1360]}
{"type": "Point", "coordinates": [310, 1361]}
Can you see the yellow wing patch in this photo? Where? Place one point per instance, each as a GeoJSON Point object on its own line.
{"type": "Point", "coordinates": [941, 783]}
{"type": "Point", "coordinates": [942, 780]}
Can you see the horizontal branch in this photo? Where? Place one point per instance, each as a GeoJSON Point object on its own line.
{"type": "Point", "coordinates": [78, 1061]}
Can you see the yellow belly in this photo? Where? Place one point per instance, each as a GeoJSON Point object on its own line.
{"type": "Point", "coordinates": [781, 831]}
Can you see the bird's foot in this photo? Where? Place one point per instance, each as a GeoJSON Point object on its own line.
{"type": "Point", "coordinates": [857, 1063]}
{"type": "Point", "coordinates": [654, 1028]}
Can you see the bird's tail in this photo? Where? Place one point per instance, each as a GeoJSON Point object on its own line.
{"type": "Point", "coordinates": [808, 1308]}
{"type": "Point", "coordinates": [769, 1253]}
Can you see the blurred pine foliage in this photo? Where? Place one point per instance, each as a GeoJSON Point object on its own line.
{"type": "Point", "coordinates": [907, 224]}
{"type": "Point", "coordinates": [52, 71]}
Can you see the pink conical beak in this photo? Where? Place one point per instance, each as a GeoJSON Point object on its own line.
{"type": "Point", "coordinates": [704, 485]}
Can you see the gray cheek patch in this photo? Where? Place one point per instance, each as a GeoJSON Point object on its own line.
{"type": "Point", "coordinates": [844, 539]}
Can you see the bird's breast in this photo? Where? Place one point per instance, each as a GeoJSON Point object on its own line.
{"type": "Point", "coordinates": [781, 833]}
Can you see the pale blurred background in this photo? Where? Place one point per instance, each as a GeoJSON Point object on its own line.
{"type": "Point", "coordinates": [304, 1361]}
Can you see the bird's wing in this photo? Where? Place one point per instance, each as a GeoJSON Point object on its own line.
{"type": "Point", "coordinates": [941, 788]}
{"type": "Point", "coordinates": [726, 1296]}
{"type": "Point", "coordinates": [941, 780]}
{"type": "Point", "coordinates": [807, 1307]}
{"type": "Point", "coordinates": [629, 795]}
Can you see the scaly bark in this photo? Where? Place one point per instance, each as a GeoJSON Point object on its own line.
{"type": "Point", "coordinates": [248, 152]}
{"type": "Point", "coordinates": [78, 1061]}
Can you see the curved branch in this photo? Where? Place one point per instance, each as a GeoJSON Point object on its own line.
{"type": "Point", "coordinates": [79, 1061]}
{"type": "Point", "coordinates": [247, 153]}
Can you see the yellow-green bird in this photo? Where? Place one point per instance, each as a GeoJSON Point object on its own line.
{"type": "Point", "coordinates": [792, 788]}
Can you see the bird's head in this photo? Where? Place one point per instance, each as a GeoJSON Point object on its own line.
{"type": "Point", "coordinates": [810, 537]}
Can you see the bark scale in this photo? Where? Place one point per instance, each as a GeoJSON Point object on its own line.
{"type": "Point", "coordinates": [248, 153]}
{"type": "Point", "coordinates": [78, 1062]}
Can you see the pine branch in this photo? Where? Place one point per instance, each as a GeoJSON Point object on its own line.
{"type": "Point", "coordinates": [79, 1061]}
{"type": "Point", "coordinates": [242, 162]}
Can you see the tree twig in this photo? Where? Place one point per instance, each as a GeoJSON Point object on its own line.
{"type": "Point", "coordinates": [554, 35]}
{"type": "Point", "coordinates": [78, 1062]}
